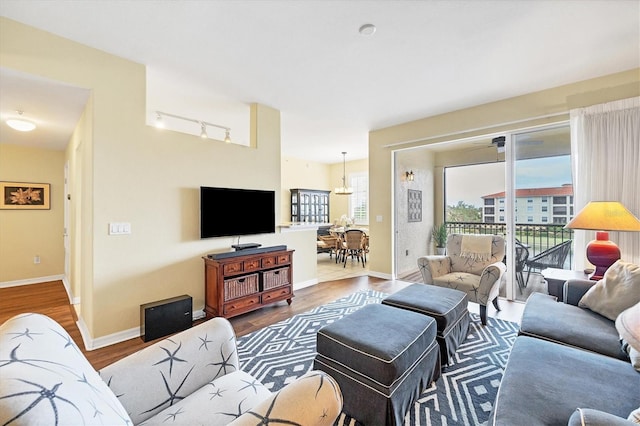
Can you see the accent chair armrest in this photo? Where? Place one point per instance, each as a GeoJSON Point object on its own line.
{"type": "Point", "coordinates": [186, 361]}
{"type": "Point", "coordinates": [313, 399]}
{"type": "Point", "coordinates": [433, 267]}
{"type": "Point", "coordinates": [490, 278]}
{"type": "Point", "coordinates": [574, 289]}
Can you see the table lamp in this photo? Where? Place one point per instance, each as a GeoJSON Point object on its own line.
{"type": "Point", "coordinates": [603, 216]}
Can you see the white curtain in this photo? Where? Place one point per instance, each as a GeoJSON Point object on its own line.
{"type": "Point", "coordinates": [605, 157]}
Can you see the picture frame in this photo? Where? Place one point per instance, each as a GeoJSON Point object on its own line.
{"type": "Point", "coordinates": [25, 196]}
{"type": "Point", "coordinates": [414, 204]}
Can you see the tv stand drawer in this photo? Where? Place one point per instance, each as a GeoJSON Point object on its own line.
{"type": "Point", "coordinates": [240, 306]}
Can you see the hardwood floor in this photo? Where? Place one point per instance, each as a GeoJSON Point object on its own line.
{"type": "Point", "coordinates": [51, 299]}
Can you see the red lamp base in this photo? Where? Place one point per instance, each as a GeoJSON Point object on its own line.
{"type": "Point", "coordinates": [602, 253]}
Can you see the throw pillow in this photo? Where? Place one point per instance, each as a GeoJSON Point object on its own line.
{"type": "Point", "coordinates": [618, 290]}
{"type": "Point", "coordinates": [634, 416]}
{"type": "Point", "coordinates": [628, 326]}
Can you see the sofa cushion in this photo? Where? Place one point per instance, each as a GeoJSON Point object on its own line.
{"type": "Point", "coordinates": [544, 383]}
{"type": "Point", "coordinates": [589, 417]}
{"type": "Point", "coordinates": [217, 403]}
{"type": "Point", "coordinates": [628, 325]}
{"type": "Point", "coordinates": [45, 378]}
{"type": "Point", "coordinates": [618, 290]}
{"type": "Point", "coordinates": [558, 322]}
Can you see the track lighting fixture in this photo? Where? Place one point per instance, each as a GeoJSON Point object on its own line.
{"type": "Point", "coordinates": [203, 125]}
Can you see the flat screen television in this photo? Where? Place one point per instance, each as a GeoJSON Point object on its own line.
{"type": "Point", "coordinates": [230, 212]}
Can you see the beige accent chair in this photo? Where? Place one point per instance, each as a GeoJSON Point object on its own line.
{"type": "Point", "coordinates": [480, 279]}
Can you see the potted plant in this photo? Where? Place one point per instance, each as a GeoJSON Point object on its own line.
{"type": "Point", "coordinates": [439, 235]}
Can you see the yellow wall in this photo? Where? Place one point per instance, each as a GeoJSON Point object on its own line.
{"type": "Point", "coordinates": [489, 117]}
{"type": "Point", "coordinates": [25, 234]}
{"type": "Point", "coordinates": [302, 174]}
{"type": "Point", "coordinates": [126, 171]}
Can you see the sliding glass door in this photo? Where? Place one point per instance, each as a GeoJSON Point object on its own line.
{"type": "Point", "coordinates": [517, 185]}
{"type": "Point", "coordinates": [540, 203]}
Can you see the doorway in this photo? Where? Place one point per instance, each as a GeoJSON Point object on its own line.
{"type": "Point", "coordinates": [478, 183]}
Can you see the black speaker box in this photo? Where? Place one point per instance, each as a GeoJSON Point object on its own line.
{"type": "Point", "coordinates": [164, 317]}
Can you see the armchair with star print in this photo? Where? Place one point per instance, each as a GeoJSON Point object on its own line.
{"type": "Point", "coordinates": [190, 378]}
{"type": "Point", "coordinates": [472, 264]}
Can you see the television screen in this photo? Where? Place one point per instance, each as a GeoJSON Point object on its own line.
{"type": "Point", "coordinates": [230, 212]}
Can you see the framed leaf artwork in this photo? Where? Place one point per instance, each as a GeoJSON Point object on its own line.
{"type": "Point", "coordinates": [25, 196]}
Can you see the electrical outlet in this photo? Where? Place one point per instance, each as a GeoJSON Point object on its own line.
{"type": "Point", "coordinates": [36, 260]}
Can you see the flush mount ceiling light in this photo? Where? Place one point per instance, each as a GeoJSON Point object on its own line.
{"type": "Point", "coordinates": [203, 125]}
{"type": "Point", "coordinates": [344, 190]}
{"type": "Point", "coordinates": [367, 30]}
{"type": "Point", "coordinates": [21, 124]}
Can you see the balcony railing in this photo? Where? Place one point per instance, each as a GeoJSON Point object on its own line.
{"type": "Point", "coordinates": [537, 237]}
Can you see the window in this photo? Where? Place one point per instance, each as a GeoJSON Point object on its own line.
{"type": "Point", "coordinates": [559, 200]}
{"type": "Point", "coordinates": [544, 208]}
{"type": "Point", "coordinates": [545, 219]}
{"type": "Point", "coordinates": [489, 201]}
{"type": "Point", "coordinates": [529, 200]}
{"type": "Point", "coordinates": [359, 200]}
{"type": "Point", "coordinates": [544, 199]}
{"type": "Point", "coordinates": [529, 218]}
{"type": "Point", "coordinates": [560, 210]}
{"type": "Point", "coordinates": [529, 208]}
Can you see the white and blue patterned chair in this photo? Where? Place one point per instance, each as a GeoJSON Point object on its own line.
{"type": "Point", "coordinates": [190, 378]}
{"type": "Point", "coordinates": [479, 278]}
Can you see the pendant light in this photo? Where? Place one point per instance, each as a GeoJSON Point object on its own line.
{"type": "Point", "coordinates": [344, 190]}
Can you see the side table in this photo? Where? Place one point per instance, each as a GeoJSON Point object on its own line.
{"type": "Point", "coordinates": [556, 277]}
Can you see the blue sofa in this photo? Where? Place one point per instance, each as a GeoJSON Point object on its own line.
{"type": "Point", "coordinates": [566, 367]}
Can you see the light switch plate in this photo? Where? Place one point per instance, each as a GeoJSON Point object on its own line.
{"type": "Point", "coordinates": [119, 228]}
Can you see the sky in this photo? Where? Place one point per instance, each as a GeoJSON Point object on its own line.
{"type": "Point", "coordinates": [470, 183]}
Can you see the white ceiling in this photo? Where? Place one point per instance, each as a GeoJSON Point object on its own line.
{"type": "Point", "coordinates": [210, 59]}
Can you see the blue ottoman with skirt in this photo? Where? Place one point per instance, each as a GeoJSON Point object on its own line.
{"type": "Point", "coordinates": [449, 307]}
{"type": "Point", "coordinates": [382, 358]}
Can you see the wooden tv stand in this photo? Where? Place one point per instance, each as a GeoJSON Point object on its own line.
{"type": "Point", "coordinates": [245, 282]}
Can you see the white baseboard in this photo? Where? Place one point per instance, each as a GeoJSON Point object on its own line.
{"type": "Point", "coordinates": [29, 281]}
{"type": "Point", "coordinates": [304, 284]}
{"type": "Point", "coordinates": [91, 344]}
{"type": "Point", "coordinates": [380, 275]}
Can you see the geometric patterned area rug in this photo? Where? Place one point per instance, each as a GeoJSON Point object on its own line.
{"type": "Point", "coordinates": [464, 395]}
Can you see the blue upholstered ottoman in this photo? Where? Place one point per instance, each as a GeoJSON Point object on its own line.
{"type": "Point", "coordinates": [382, 358]}
{"type": "Point", "coordinates": [449, 307]}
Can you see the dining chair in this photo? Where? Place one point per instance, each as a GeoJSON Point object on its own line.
{"type": "Point", "coordinates": [354, 246]}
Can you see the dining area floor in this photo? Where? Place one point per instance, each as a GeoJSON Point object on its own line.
{"type": "Point", "coordinates": [329, 270]}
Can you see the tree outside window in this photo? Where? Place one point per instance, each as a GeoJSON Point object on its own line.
{"type": "Point", "coordinates": [359, 200]}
